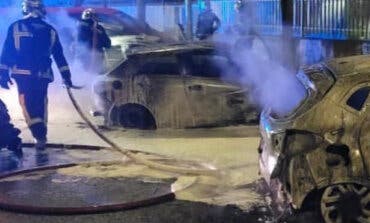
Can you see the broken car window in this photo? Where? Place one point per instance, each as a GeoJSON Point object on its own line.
{"type": "Point", "coordinates": [358, 99]}
{"type": "Point", "coordinates": [209, 65]}
{"type": "Point", "coordinates": [159, 65]}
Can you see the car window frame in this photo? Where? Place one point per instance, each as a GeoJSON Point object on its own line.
{"type": "Point", "coordinates": [349, 94]}
{"type": "Point", "coordinates": [212, 52]}
{"type": "Point", "coordinates": [141, 61]}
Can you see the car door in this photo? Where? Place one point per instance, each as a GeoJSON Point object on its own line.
{"type": "Point", "coordinates": [365, 139]}
{"type": "Point", "coordinates": [358, 101]}
{"type": "Point", "coordinates": [213, 99]}
{"type": "Point", "coordinates": [158, 86]}
{"type": "Point", "coordinates": [365, 132]}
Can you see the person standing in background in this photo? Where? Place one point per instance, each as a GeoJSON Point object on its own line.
{"type": "Point", "coordinates": [207, 22]}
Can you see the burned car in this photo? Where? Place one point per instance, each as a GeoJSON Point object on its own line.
{"type": "Point", "coordinates": [317, 156]}
{"type": "Point", "coordinates": [172, 86]}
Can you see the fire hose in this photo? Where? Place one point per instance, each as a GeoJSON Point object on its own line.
{"type": "Point", "coordinates": [134, 156]}
{"type": "Point", "coordinates": [5, 204]}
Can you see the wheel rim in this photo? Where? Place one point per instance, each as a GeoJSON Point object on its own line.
{"type": "Point", "coordinates": [346, 203]}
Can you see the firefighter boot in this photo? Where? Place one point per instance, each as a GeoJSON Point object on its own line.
{"type": "Point", "coordinates": [40, 144]}
{"type": "Point", "coordinates": [16, 147]}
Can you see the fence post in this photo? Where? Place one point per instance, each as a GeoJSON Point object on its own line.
{"type": "Point", "coordinates": [140, 5]}
{"type": "Point", "coordinates": [189, 19]}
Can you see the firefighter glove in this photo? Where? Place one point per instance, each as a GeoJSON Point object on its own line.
{"type": "Point", "coordinates": [5, 80]}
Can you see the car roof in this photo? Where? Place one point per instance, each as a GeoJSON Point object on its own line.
{"type": "Point", "coordinates": [161, 49]}
{"type": "Point", "coordinates": [156, 49]}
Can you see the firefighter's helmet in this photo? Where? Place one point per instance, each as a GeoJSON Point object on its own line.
{"type": "Point", "coordinates": [35, 7]}
{"type": "Point", "coordinates": [88, 14]}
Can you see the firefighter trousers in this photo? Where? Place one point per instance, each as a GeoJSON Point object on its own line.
{"type": "Point", "coordinates": [33, 101]}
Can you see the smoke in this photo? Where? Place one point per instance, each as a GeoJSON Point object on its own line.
{"type": "Point", "coordinates": [272, 84]}
{"type": "Point", "coordinates": [67, 30]}
{"type": "Point", "coordinates": [9, 15]}
{"type": "Point", "coordinates": [266, 68]}
{"type": "Point", "coordinates": [82, 75]}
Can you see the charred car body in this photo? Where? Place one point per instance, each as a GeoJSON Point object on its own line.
{"type": "Point", "coordinates": [172, 86]}
{"type": "Point", "coordinates": [318, 156]}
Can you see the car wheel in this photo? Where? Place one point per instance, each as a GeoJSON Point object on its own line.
{"type": "Point", "coordinates": [346, 203]}
{"type": "Point", "coordinates": [136, 116]}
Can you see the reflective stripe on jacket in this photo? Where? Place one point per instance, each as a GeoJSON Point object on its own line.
{"type": "Point", "coordinates": [28, 48]}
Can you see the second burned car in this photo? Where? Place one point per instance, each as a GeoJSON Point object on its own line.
{"type": "Point", "coordinates": [315, 158]}
{"type": "Point", "coordinates": [173, 86]}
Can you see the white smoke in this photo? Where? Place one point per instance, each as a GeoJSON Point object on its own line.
{"type": "Point", "coordinates": [270, 84]}
{"type": "Point", "coordinates": [73, 50]}
{"type": "Point", "coordinates": [9, 15]}
{"type": "Point", "coordinates": [59, 105]}
{"type": "Point", "coordinates": [270, 81]}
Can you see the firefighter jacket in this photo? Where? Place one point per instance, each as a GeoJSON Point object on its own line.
{"type": "Point", "coordinates": [93, 35]}
{"type": "Point", "coordinates": [207, 24]}
{"type": "Point", "coordinates": [28, 48]}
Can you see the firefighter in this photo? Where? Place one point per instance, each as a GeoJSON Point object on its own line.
{"type": "Point", "coordinates": [93, 37]}
{"type": "Point", "coordinates": [8, 133]}
{"type": "Point", "coordinates": [207, 23]}
{"type": "Point", "coordinates": [29, 44]}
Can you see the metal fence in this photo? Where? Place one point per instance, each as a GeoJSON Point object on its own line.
{"type": "Point", "coordinates": [262, 16]}
{"type": "Point", "coordinates": [324, 19]}
{"type": "Point", "coordinates": [332, 19]}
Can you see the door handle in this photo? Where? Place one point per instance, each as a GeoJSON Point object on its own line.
{"type": "Point", "coordinates": [196, 87]}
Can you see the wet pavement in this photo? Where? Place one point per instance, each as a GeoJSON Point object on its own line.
{"type": "Point", "coordinates": [234, 195]}
{"type": "Point", "coordinates": [113, 182]}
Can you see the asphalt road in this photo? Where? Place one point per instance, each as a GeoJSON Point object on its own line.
{"type": "Point", "coordinates": [233, 196]}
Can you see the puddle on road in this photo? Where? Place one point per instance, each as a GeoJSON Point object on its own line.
{"type": "Point", "coordinates": [224, 189]}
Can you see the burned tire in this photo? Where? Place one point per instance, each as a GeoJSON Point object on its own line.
{"type": "Point", "coordinates": [344, 203]}
{"type": "Point", "coordinates": [136, 116]}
